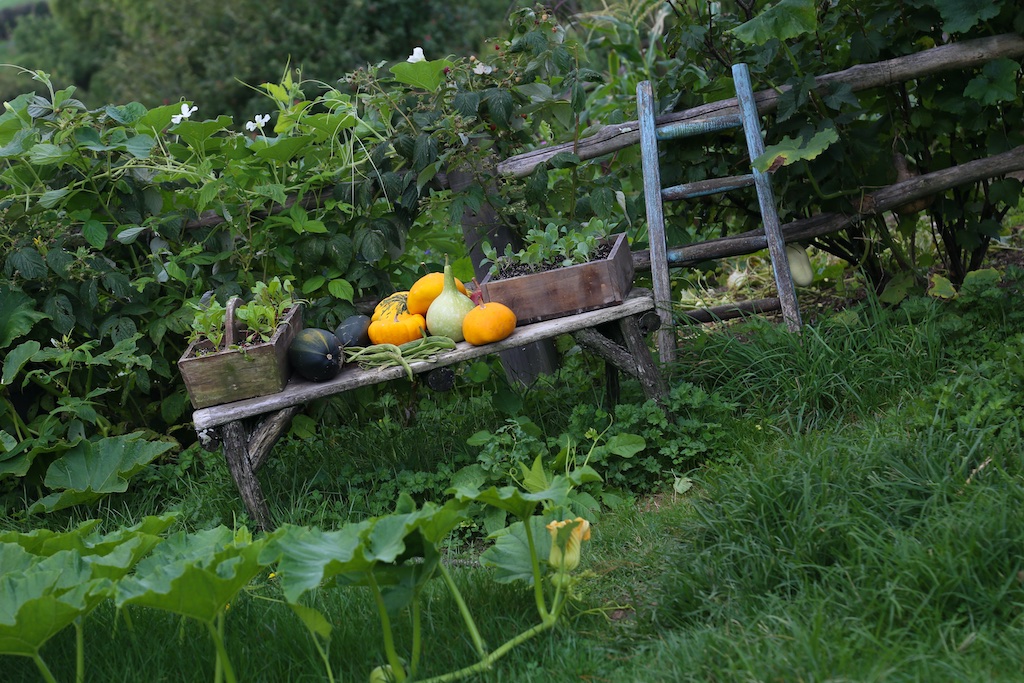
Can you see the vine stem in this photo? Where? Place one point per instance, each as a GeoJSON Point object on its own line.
{"type": "Point", "coordinates": [417, 635]}
{"type": "Point", "coordinates": [474, 633]}
{"type": "Point", "coordinates": [385, 621]}
{"type": "Point", "coordinates": [79, 651]}
{"type": "Point", "coordinates": [538, 587]}
{"type": "Point", "coordinates": [223, 665]}
{"type": "Point", "coordinates": [43, 669]}
{"type": "Point", "coordinates": [487, 662]}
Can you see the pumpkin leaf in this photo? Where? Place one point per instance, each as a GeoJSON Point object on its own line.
{"type": "Point", "coordinates": [514, 500]}
{"type": "Point", "coordinates": [308, 557]}
{"type": "Point", "coordinates": [510, 554]}
{"type": "Point", "coordinates": [91, 469]}
{"type": "Point", "coordinates": [40, 597]}
{"type": "Point", "coordinates": [194, 575]}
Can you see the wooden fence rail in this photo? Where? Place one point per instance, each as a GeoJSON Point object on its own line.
{"type": "Point", "coordinates": [963, 55]}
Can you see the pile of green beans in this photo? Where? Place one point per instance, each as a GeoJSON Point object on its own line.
{"type": "Point", "coordinates": [387, 355]}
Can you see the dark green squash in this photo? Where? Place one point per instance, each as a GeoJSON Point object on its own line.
{"type": "Point", "coordinates": [315, 354]}
{"type": "Point", "coordinates": [354, 331]}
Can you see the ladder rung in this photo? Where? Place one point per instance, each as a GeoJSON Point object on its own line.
{"type": "Point", "coordinates": [684, 129]}
{"type": "Point", "coordinates": [702, 188]}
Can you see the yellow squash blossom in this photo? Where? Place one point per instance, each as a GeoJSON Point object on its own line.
{"type": "Point", "coordinates": [565, 554]}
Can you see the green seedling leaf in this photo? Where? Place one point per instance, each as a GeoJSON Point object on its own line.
{"type": "Point", "coordinates": [536, 478]}
{"type": "Point", "coordinates": [789, 150]}
{"type": "Point", "coordinates": [90, 470]}
{"type": "Point", "coordinates": [784, 20]}
{"type": "Point", "coordinates": [194, 575]}
{"type": "Point", "coordinates": [510, 554]}
{"type": "Point", "coordinates": [426, 75]}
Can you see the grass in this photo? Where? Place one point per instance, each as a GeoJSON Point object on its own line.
{"type": "Point", "coordinates": [863, 522]}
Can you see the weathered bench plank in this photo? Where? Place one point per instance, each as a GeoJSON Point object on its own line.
{"type": "Point", "coordinates": [300, 391]}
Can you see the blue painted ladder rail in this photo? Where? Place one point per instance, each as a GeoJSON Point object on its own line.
{"type": "Point", "coordinates": [655, 195]}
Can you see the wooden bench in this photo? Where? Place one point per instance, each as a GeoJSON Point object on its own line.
{"type": "Point", "coordinates": [247, 430]}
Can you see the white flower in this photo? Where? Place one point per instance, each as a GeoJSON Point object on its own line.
{"type": "Point", "coordinates": [186, 112]}
{"type": "Point", "coordinates": [260, 121]}
{"type": "Point", "coordinates": [416, 56]}
{"type": "Point", "coordinates": [480, 69]}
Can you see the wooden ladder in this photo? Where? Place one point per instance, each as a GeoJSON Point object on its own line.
{"type": "Point", "coordinates": [655, 195]}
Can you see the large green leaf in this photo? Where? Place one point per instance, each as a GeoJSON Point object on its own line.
{"type": "Point", "coordinates": [280, 149]}
{"type": "Point", "coordinates": [400, 549]}
{"type": "Point", "coordinates": [510, 554]}
{"type": "Point", "coordinates": [306, 557]}
{"type": "Point", "coordinates": [512, 499]}
{"type": "Point", "coordinates": [194, 575]}
{"type": "Point", "coordinates": [40, 597]}
{"type": "Point", "coordinates": [16, 359]}
{"type": "Point", "coordinates": [92, 469]}
{"type": "Point", "coordinates": [426, 75]}
{"type": "Point", "coordinates": [959, 16]}
{"type": "Point", "coordinates": [788, 150]}
{"type": "Point", "coordinates": [784, 20]}
{"type": "Point", "coordinates": [996, 83]}
{"type": "Point", "coordinates": [108, 555]}
{"type": "Point", "coordinates": [17, 315]}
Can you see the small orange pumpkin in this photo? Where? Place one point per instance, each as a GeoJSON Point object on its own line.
{"type": "Point", "coordinates": [401, 328]}
{"type": "Point", "coordinates": [425, 290]}
{"type": "Point", "coordinates": [488, 323]}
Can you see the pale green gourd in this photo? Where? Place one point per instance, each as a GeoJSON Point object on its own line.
{"type": "Point", "coordinates": [799, 265]}
{"type": "Point", "coordinates": [446, 312]}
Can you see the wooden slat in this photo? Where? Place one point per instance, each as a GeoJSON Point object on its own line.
{"type": "Point", "coordinates": [686, 129]}
{"type": "Point", "coordinates": [702, 188]}
{"type": "Point", "coordinates": [766, 199]}
{"type": "Point", "coordinates": [300, 391]}
{"type": "Point", "coordinates": [666, 339]}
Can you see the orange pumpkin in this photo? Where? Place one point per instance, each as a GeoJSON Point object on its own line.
{"type": "Point", "coordinates": [401, 328]}
{"type": "Point", "coordinates": [488, 323]}
{"type": "Point", "coordinates": [425, 290]}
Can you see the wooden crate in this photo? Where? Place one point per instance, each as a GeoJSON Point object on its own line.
{"type": "Point", "coordinates": [234, 374]}
{"type": "Point", "coordinates": [567, 291]}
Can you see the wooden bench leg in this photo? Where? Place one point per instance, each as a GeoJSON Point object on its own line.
{"type": "Point", "coordinates": [633, 357]}
{"type": "Point", "coordinates": [245, 454]}
{"type": "Point", "coordinates": [645, 369]}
